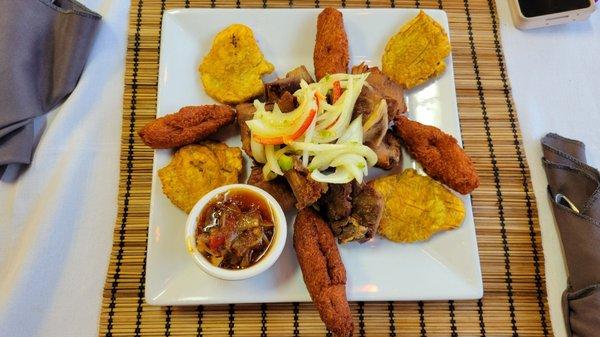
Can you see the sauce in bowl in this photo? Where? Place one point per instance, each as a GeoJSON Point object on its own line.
{"type": "Point", "coordinates": [235, 229]}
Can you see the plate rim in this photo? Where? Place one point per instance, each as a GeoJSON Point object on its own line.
{"type": "Point", "coordinates": [153, 296]}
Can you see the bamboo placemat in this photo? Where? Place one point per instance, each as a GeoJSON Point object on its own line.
{"type": "Point", "coordinates": [514, 303]}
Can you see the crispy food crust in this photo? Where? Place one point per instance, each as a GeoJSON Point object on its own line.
{"type": "Point", "coordinates": [331, 54]}
{"type": "Point", "coordinates": [232, 70]}
{"type": "Point", "coordinates": [306, 190]}
{"type": "Point", "coordinates": [386, 87]}
{"type": "Point", "coordinates": [417, 52]}
{"type": "Point", "coordinates": [278, 188]}
{"type": "Point", "coordinates": [389, 154]}
{"type": "Point", "coordinates": [189, 125]}
{"type": "Point", "coordinates": [245, 112]}
{"type": "Point", "coordinates": [323, 271]}
{"type": "Point", "coordinates": [439, 153]}
{"type": "Point", "coordinates": [196, 169]}
{"type": "Point", "coordinates": [416, 207]}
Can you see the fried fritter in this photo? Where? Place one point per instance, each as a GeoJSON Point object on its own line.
{"type": "Point", "coordinates": [189, 125]}
{"type": "Point", "coordinates": [231, 72]}
{"type": "Point", "coordinates": [197, 169]}
{"type": "Point", "coordinates": [416, 52]}
{"type": "Point", "coordinates": [416, 207]}
{"type": "Point", "coordinates": [439, 154]}
{"type": "Point", "coordinates": [323, 271]}
{"type": "Point", "coordinates": [331, 54]}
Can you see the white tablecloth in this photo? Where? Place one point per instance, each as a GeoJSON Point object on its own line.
{"type": "Point", "coordinates": [57, 218]}
{"type": "Point", "coordinates": [555, 76]}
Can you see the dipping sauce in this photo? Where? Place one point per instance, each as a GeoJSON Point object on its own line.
{"type": "Point", "coordinates": [235, 229]}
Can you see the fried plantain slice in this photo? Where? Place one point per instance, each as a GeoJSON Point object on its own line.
{"type": "Point", "coordinates": [416, 207]}
{"type": "Point", "coordinates": [417, 52]}
{"type": "Point", "coordinates": [197, 169]}
{"type": "Point", "coordinates": [231, 72]}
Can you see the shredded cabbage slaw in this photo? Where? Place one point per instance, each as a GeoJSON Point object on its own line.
{"type": "Point", "coordinates": [324, 134]}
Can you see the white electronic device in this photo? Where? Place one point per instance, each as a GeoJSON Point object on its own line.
{"type": "Point", "coordinates": [528, 14]}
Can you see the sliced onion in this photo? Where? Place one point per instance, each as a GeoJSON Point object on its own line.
{"type": "Point", "coordinates": [340, 176]}
{"type": "Point", "coordinates": [354, 132]}
{"type": "Point", "coordinates": [267, 173]}
{"type": "Point", "coordinates": [330, 151]}
{"type": "Point", "coordinates": [379, 111]}
{"type": "Point", "coordinates": [308, 136]}
{"type": "Point", "coordinates": [258, 151]}
{"type": "Point", "coordinates": [272, 160]}
{"type": "Point", "coordinates": [271, 124]}
{"type": "Point", "coordinates": [353, 163]}
{"type": "Point", "coordinates": [354, 85]}
{"type": "Point", "coordinates": [310, 130]}
{"type": "Point", "coordinates": [376, 125]}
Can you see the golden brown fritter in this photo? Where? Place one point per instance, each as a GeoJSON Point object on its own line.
{"type": "Point", "coordinates": [323, 271]}
{"type": "Point", "coordinates": [189, 125]}
{"type": "Point", "coordinates": [331, 54]}
{"type": "Point", "coordinates": [439, 154]}
{"type": "Point", "coordinates": [197, 169]}
{"type": "Point", "coordinates": [231, 72]}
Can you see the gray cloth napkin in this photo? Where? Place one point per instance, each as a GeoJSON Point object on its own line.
{"type": "Point", "coordinates": [578, 221]}
{"type": "Point", "coordinates": [44, 45]}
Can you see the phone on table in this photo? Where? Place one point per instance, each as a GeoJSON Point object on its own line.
{"type": "Point", "coordinates": [528, 14]}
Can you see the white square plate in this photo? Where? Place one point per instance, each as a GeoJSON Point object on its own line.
{"type": "Point", "coordinates": [445, 267]}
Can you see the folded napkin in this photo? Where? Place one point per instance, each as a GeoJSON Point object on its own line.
{"type": "Point", "coordinates": [44, 45]}
{"type": "Point", "coordinates": [574, 189]}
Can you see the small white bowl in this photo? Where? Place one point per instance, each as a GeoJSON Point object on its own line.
{"type": "Point", "coordinates": [273, 252]}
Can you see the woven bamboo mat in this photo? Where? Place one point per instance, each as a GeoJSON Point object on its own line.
{"type": "Point", "coordinates": [514, 303]}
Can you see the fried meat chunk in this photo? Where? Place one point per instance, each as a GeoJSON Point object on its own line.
{"type": "Point", "coordinates": [367, 209]}
{"type": "Point", "coordinates": [290, 84]}
{"type": "Point", "coordinates": [352, 210]}
{"type": "Point", "coordinates": [336, 204]}
{"type": "Point", "coordinates": [189, 125]}
{"type": "Point", "coordinates": [287, 102]}
{"type": "Point", "coordinates": [389, 153]}
{"type": "Point", "coordinates": [386, 87]}
{"type": "Point", "coordinates": [323, 271]}
{"type": "Point", "coordinates": [278, 188]}
{"type": "Point", "coordinates": [306, 190]}
{"type": "Point", "coordinates": [245, 112]}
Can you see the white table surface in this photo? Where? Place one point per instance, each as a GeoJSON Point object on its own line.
{"type": "Point", "coordinates": [555, 75]}
{"type": "Point", "coordinates": [57, 218]}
